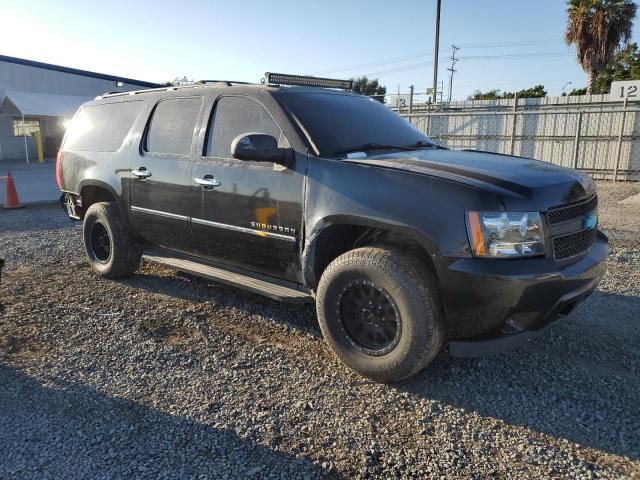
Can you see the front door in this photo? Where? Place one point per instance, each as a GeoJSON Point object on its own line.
{"type": "Point", "coordinates": [161, 173]}
{"type": "Point", "coordinates": [246, 213]}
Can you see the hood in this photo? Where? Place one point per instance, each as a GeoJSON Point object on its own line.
{"type": "Point", "coordinates": [520, 183]}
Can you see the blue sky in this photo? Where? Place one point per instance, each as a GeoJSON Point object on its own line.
{"type": "Point", "coordinates": [505, 44]}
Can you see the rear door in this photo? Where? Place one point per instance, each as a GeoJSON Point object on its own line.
{"type": "Point", "coordinates": [161, 172]}
{"type": "Point", "coordinates": [252, 218]}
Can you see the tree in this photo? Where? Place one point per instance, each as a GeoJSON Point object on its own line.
{"type": "Point", "coordinates": [597, 28]}
{"type": "Point", "coordinates": [533, 92]}
{"type": "Point", "coordinates": [576, 91]}
{"type": "Point", "coordinates": [369, 87]}
{"type": "Point", "coordinates": [488, 95]}
{"type": "Point", "coordinates": [625, 66]}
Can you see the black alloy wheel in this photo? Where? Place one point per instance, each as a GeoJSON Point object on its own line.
{"type": "Point", "coordinates": [100, 242]}
{"type": "Point", "coordinates": [370, 317]}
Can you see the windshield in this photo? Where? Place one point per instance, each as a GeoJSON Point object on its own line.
{"type": "Point", "coordinates": [342, 123]}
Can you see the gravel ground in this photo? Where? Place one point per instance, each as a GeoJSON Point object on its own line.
{"type": "Point", "coordinates": [167, 376]}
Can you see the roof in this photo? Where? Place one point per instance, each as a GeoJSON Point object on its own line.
{"type": "Point", "coordinates": [229, 84]}
{"type": "Point", "coordinates": [75, 71]}
{"type": "Point", "coordinates": [40, 104]}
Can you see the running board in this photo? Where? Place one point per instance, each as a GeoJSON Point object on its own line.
{"type": "Point", "coordinates": [256, 283]}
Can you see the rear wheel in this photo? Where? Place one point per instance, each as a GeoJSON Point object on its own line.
{"type": "Point", "coordinates": [378, 310]}
{"type": "Point", "coordinates": [110, 249]}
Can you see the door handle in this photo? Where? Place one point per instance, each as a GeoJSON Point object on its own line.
{"type": "Point", "coordinates": [208, 182]}
{"type": "Point", "coordinates": [141, 173]}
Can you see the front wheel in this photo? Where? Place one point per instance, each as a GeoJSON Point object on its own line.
{"type": "Point", "coordinates": [110, 250]}
{"type": "Point", "coordinates": [378, 310]}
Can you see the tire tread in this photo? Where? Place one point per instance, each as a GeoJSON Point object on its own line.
{"type": "Point", "coordinates": [415, 284]}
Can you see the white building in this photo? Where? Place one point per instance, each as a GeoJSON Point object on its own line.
{"type": "Point", "coordinates": [37, 96]}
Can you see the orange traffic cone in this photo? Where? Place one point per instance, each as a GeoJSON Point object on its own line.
{"type": "Point", "coordinates": [12, 195]}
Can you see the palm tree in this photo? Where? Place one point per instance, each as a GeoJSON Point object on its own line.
{"type": "Point", "coordinates": [597, 27]}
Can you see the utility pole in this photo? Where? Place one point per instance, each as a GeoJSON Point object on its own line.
{"type": "Point", "coordinates": [435, 58]}
{"type": "Point", "coordinates": [451, 69]}
{"type": "Point", "coordinates": [410, 101]}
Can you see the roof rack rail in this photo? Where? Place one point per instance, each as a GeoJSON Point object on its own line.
{"type": "Point", "coordinates": [197, 83]}
{"type": "Point", "coordinates": [306, 81]}
{"type": "Point", "coordinates": [228, 83]}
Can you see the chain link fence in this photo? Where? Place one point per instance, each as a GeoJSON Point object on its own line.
{"type": "Point", "coordinates": [604, 142]}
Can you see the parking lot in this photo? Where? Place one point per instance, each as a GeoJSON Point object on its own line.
{"type": "Point", "coordinates": [167, 376]}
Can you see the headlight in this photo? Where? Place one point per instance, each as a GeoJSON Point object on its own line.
{"type": "Point", "coordinates": [505, 234]}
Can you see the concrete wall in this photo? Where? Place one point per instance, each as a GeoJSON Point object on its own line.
{"type": "Point", "coordinates": [13, 149]}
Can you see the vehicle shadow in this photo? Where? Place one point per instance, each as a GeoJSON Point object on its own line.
{"type": "Point", "coordinates": [579, 381]}
{"type": "Point", "coordinates": [63, 429]}
{"type": "Point", "coordinates": [299, 317]}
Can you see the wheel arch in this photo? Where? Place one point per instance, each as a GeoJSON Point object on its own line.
{"type": "Point", "coordinates": [93, 191]}
{"type": "Point", "coordinates": [335, 235]}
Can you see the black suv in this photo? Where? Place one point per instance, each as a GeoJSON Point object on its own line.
{"type": "Point", "coordinates": [308, 193]}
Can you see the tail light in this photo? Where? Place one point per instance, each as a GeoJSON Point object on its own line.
{"type": "Point", "coordinates": [59, 169]}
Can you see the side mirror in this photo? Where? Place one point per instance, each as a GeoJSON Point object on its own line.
{"type": "Point", "coordinates": [258, 147]}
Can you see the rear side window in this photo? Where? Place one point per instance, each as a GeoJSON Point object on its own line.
{"type": "Point", "coordinates": [101, 128]}
{"type": "Point", "coordinates": [234, 116]}
{"type": "Point", "coordinates": [171, 127]}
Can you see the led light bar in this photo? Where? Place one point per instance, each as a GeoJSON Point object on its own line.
{"type": "Point", "coordinates": [303, 81]}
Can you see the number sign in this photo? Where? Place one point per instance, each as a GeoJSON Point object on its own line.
{"type": "Point", "coordinates": [629, 89]}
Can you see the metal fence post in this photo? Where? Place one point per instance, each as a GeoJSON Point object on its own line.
{"type": "Point", "coordinates": [513, 126]}
{"type": "Point", "coordinates": [576, 145]}
{"type": "Point", "coordinates": [619, 151]}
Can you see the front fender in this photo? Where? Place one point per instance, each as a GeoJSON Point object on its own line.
{"type": "Point", "coordinates": [426, 209]}
{"type": "Point", "coordinates": [314, 233]}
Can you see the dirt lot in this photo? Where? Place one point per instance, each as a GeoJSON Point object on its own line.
{"type": "Point", "coordinates": [166, 376]}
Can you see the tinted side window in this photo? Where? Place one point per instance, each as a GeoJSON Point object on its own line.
{"type": "Point", "coordinates": [172, 124]}
{"type": "Point", "coordinates": [234, 116]}
{"type": "Point", "coordinates": [101, 128]}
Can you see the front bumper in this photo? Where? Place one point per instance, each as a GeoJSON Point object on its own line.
{"type": "Point", "coordinates": [494, 305]}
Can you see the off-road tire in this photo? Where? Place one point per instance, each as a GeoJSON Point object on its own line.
{"type": "Point", "coordinates": [414, 292]}
{"type": "Point", "coordinates": [124, 256]}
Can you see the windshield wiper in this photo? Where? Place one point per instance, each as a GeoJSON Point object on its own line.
{"type": "Point", "coordinates": [375, 146]}
{"type": "Point", "coordinates": [424, 144]}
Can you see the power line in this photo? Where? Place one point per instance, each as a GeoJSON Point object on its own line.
{"type": "Point", "coordinates": [521, 56]}
{"type": "Point", "coordinates": [522, 43]}
{"type": "Point", "coordinates": [424, 53]}
{"type": "Point", "coordinates": [376, 63]}
{"type": "Point", "coordinates": [404, 68]}
{"type": "Point", "coordinates": [517, 56]}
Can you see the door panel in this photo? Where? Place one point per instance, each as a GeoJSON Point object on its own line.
{"type": "Point", "coordinates": [161, 172]}
{"type": "Point", "coordinates": [159, 204]}
{"type": "Point", "coordinates": [252, 219]}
